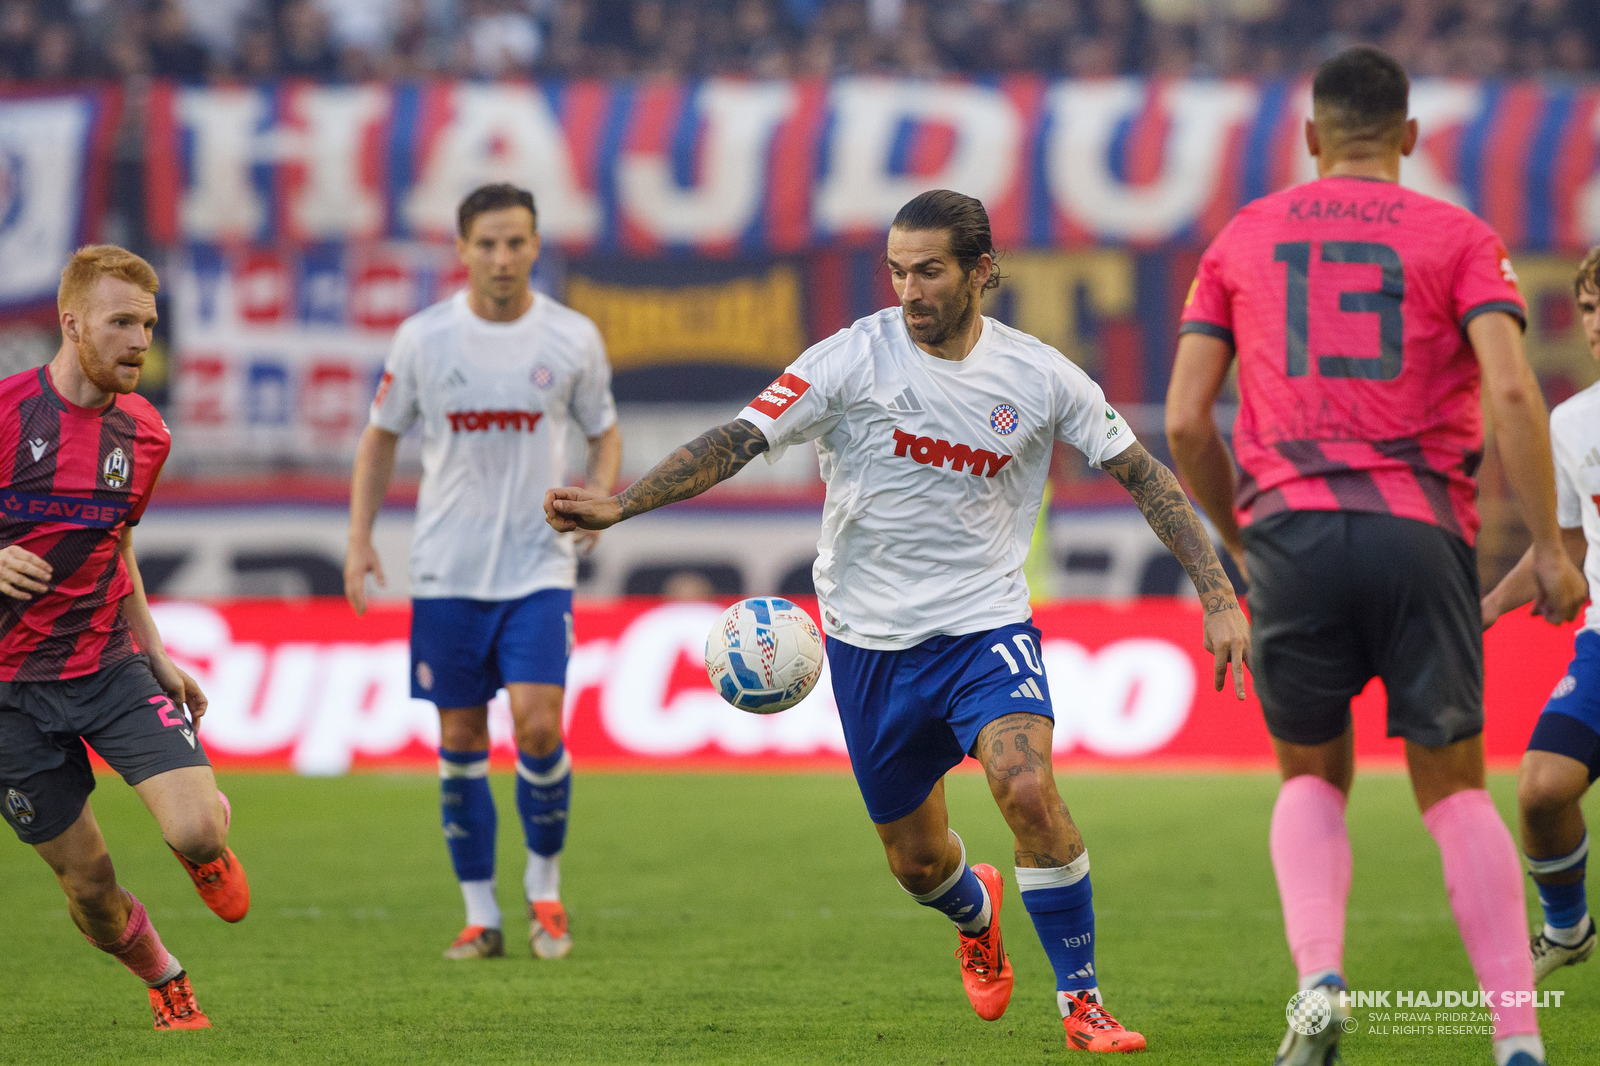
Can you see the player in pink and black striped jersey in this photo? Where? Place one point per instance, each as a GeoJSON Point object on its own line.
{"type": "Point", "coordinates": [80, 658]}
{"type": "Point", "coordinates": [1364, 316]}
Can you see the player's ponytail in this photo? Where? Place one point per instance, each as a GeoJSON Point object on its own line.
{"type": "Point", "coordinates": [964, 218]}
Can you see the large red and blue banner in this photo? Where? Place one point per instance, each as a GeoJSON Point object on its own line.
{"type": "Point", "coordinates": [724, 167]}
{"type": "Point", "coordinates": [55, 156]}
{"type": "Point", "coordinates": [308, 686]}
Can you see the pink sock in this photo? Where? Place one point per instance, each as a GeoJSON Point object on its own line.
{"type": "Point", "coordinates": [1484, 881]}
{"type": "Point", "coordinates": [140, 949]}
{"type": "Point", "coordinates": [1311, 857]}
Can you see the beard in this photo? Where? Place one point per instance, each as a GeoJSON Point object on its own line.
{"type": "Point", "coordinates": [101, 370]}
{"type": "Point", "coordinates": [948, 320]}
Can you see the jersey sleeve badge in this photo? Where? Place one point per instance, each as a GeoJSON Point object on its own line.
{"type": "Point", "coordinates": [781, 395]}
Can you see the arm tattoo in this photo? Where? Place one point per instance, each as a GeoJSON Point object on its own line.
{"type": "Point", "coordinates": [1157, 492]}
{"type": "Point", "coordinates": [713, 456]}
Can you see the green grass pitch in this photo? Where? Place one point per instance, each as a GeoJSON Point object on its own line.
{"type": "Point", "coordinates": [727, 919]}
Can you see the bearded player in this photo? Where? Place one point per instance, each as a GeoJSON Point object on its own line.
{"type": "Point", "coordinates": [80, 658]}
{"type": "Point", "coordinates": [1364, 316]}
{"type": "Point", "coordinates": [1563, 757]}
{"type": "Point", "coordinates": [496, 374]}
{"type": "Point", "coordinates": [935, 426]}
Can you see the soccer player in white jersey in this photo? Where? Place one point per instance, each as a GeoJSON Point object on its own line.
{"type": "Point", "coordinates": [1563, 757]}
{"type": "Point", "coordinates": [934, 427]}
{"type": "Point", "coordinates": [496, 374]}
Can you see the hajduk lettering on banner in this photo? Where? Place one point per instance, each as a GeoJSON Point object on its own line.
{"type": "Point", "coordinates": [726, 167]}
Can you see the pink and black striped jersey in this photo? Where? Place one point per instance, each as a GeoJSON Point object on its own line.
{"type": "Point", "coordinates": [1347, 302]}
{"type": "Point", "coordinates": [71, 479]}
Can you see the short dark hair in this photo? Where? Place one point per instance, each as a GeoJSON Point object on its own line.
{"type": "Point", "coordinates": [963, 217]}
{"type": "Point", "coordinates": [1367, 89]}
{"type": "Point", "coordinates": [493, 198]}
{"type": "Point", "coordinates": [1588, 275]}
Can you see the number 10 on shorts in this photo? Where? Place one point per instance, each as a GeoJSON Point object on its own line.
{"type": "Point", "coordinates": [1030, 654]}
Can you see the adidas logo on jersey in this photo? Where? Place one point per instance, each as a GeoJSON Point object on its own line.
{"type": "Point", "coordinates": [1028, 690]}
{"type": "Point", "coordinates": [1592, 459]}
{"type": "Point", "coordinates": [906, 402]}
{"type": "Point", "coordinates": [456, 379]}
{"type": "Point", "coordinates": [931, 452]}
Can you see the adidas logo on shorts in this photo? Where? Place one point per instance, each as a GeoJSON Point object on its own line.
{"type": "Point", "coordinates": [1028, 690]}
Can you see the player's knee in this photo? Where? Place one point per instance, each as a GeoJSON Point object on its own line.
{"type": "Point", "coordinates": [200, 839]}
{"type": "Point", "coordinates": [918, 869]}
{"type": "Point", "coordinates": [538, 738]}
{"type": "Point", "coordinates": [1543, 794]}
{"type": "Point", "coordinates": [1028, 804]}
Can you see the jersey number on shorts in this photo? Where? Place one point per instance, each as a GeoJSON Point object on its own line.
{"type": "Point", "coordinates": [1030, 654]}
{"type": "Point", "coordinates": [1384, 302]}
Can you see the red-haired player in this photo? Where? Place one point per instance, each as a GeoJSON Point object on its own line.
{"type": "Point", "coordinates": [80, 658]}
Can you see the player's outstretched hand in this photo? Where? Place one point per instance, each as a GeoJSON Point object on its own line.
{"type": "Point", "coordinates": [23, 573]}
{"type": "Point", "coordinates": [1228, 640]}
{"type": "Point", "coordinates": [361, 560]}
{"type": "Point", "coordinates": [183, 689]}
{"type": "Point", "coordinates": [571, 509]}
{"type": "Point", "coordinates": [1562, 588]}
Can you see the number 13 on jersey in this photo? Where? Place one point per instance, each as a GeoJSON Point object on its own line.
{"type": "Point", "coordinates": [1384, 302]}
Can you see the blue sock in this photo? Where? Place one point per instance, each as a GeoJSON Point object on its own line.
{"type": "Point", "coordinates": [1061, 904]}
{"type": "Point", "coordinates": [468, 813]}
{"type": "Point", "coordinates": [1564, 905]}
{"type": "Point", "coordinates": [961, 898]}
{"type": "Point", "coordinates": [544, 791]}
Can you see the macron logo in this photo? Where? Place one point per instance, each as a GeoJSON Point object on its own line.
{"type": "Point", "coordinates": [928, 451]}
{"type": "Point", "coordinates": [780, 395]}
{"type": "Point", "coordinates": [37, 445]}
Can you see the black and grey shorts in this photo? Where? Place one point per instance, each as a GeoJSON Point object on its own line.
{"type": "Point", "coordinates": [1338, 598]}
{"type": "Point", "coordinates": [45, 777]}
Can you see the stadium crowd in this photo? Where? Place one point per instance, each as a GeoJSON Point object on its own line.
{"type": "Point", "coordinates": [253, 40]}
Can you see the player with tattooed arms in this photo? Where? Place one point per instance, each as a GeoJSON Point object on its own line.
{"type": "Point", "coordinates": [934, 426]}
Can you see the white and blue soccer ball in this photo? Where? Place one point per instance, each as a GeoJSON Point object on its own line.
{"type": "Point", "coordinates": [764, 655]}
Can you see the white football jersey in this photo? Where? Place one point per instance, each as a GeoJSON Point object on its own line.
{"type": "Point", "coordinates": [935, 472]}
{"type": "Point", "coordinates": [1575, 440]}
{"type": "Point", "coordinates": [495, 400]}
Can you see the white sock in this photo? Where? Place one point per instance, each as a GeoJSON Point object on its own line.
{"type": "Point", "coordinates": [1321, 977]}
{"type": "Point", "coordinates": [482, 909]}
{"type": "Point", "coordinates": [1569, 937]}
{"type": "Point", "coordinates": [1509, 1046]}
{"type": "Point", "coordinates": [542, 879]}
{"type": "Point", "coordinates": [1082, 993]}
{"type": "Point", "coordinates": [174, 968]}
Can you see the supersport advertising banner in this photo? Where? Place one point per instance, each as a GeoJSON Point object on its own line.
{"type": "Point", "coordinates": [309, 687]}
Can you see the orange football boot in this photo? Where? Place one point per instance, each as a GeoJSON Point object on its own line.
{"type": "Point", "coordinates": [548, 937]}
{"type": "Point", "coordinates": [985, 970]}
{"type": "Point", "coordinates": [221, 884]}
{"type": "Point", "coordinates": [477, 942]}
{"type": "Point", "coordinates": [1090, 1028]}
{"type": "Point", "coordinates": [174, 1007]}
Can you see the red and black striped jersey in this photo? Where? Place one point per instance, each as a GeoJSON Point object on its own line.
{"type": "Point", "coordinates": [1347, 301]}
{"type": "Point", "coordinates": [71, 479]}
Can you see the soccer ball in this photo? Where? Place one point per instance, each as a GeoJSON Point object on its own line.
{"type": "Point", "coordinates": [764, 655]}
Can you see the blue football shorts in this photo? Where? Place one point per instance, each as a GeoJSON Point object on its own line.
{"type": "Point", "coordinates": [1570, 722]}
{"type": "Point", "coordinates": [463, 651]}
{"type": "Point", "coordinates": [911, 716]}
